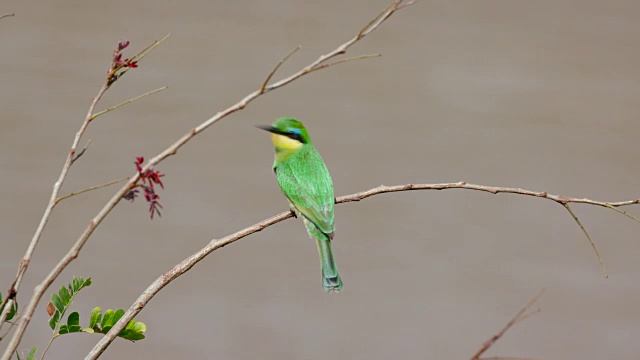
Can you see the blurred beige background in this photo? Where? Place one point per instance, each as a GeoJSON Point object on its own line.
{"type": "Point", "coordinates": [542, 95]}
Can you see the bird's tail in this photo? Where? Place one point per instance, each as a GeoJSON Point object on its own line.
{"type": "Point", "coordinates": [331, 281]}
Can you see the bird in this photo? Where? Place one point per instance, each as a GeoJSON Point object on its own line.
{"type": "Point", "coordinates": [305, 180]}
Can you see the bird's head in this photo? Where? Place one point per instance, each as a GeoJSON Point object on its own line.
{"type": "Point", "coordinates": [287, 134]}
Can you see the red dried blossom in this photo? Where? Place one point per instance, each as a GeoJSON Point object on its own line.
{"type": "Point", "coordinates": [122, 45]}
{"type": "Point", "coordinates": [147, 181]}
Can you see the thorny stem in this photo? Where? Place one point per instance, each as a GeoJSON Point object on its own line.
{"type": "Point", "coordinates": [215, 244]}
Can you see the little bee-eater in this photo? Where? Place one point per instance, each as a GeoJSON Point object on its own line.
{"type": "Point", "coordinates": [305, 181]}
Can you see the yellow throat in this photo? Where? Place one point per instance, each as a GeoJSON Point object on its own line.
{"type": "Point", "coordinates": [285, 143]}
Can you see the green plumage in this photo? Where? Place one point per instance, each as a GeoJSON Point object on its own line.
{"type": "Point", "coordinates": [306, 182]}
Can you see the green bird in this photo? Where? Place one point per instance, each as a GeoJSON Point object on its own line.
{"type": "Point", "coordinates": [305, 181]}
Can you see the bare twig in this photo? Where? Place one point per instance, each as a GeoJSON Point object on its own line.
{"type": "Point", "coordinates": [584, 230]}
{"type": "Point", "coordinates": [360, 57]}
{"type": "Point", "coordinates": [73, 252]}
{"type": "Point", "coordinates": [24, 262]}
{"type": "Point", "coordinates": [6, 15]}
{"type": "Point", "coordinates": [90, 189]}
{"type": "Point", "coordinates": [215, 244]}
{"type": "Point", "coordinates": [127, 102]}
{"type": "Point", "coordinates": [275, 69]}
{"type": "Point", "coordinates": [506, 358]}
{"type": "Point", "coordinates": [520, 316]}
{"type": "Point", "coordinates": [11, 325]}
{"type": "Point", "coordinates": [622, 212]}
{"type": "Point", "coordinates": [81, 152]}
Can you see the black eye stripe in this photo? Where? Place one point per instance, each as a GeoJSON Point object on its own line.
{"type": "Point", "coordinates": [295, 136]}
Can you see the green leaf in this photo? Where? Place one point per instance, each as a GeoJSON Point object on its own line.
{"type": "Point", "coordinates": [73, 319]}
{"type": "Point", "coordinates": [107, 319]}
{"type": "Point", "coordinates": [75, 328]}
{"type": "Point", "coordinates": [96, 316]}
{"type": "Point", "coordinates": [64, 295]}
{"type": "Point", "coordinates": [54, 320]}
{"type": "Point", "coordinates": [57, 302]}
{"type": "Point", "coordinates": [133, 331]}
{"type": "Point", "coordinates": [119, 313]}
{"type": "Point", "coordinates": [73, 322]}
{"type": "Point", "coordinates": [79, 283]}
{"type": "Point", "coordinates": [131, 335]}
{"type": "Point", "coordinates": [140, 327]}
{"type": "Point", "coordinates": [0, 299]}
{"type": "Point", "coordinates": [63, 329]}
{"type": "Point", "coordinates": [88, 330]}
{"type": "Point", "coordinates": [32, 354]}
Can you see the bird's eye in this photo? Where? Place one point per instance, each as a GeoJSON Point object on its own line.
{"type": "Point", "coordinates": [296, 134]}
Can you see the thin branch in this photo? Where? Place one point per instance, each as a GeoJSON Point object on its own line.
{"type": "Point", "coordinates": [90, 189]}
{"type": "Point", "coordinates": [275, 69]}
{"type": "Point", "coordinates": [614, 208]}
{"type": "Point", "coordinates": [584, 230]}
{"type": "Point", "coordinates": [127, 102]}
{"type": "Point", "coordinates": [48, 346]}
{"type": "Point", "coordinates": [520, 316]}
{"type": "Point", "coordinates": [506, 358]}
{"type": "Point", "coordinates": [141, 54]}
{"type": "Point", "coordinates": [73, 252]}
{"type": "Point", "coordinates": [24, 262]}
{"type": "Point", "coordinates": [7, 15]}
{"type": "Point", "coordinates": [405, 4]}
{"type": "Point", "coordinates": [360, 57]}
{"type": "Point", "coordinates": [215, 244]}
{"type": "Point", "coordinates": [144, 52]}
{"type": "Point", "coordinates": [11, 325]}
{"type": "Point", "coordinates": [81, 152]}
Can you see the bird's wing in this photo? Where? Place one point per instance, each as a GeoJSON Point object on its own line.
{"type": "Point", "coordinates": [306, 182]}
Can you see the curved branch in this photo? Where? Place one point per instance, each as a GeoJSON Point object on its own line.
{"type": "Point", "coordinates": [215, 244]}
